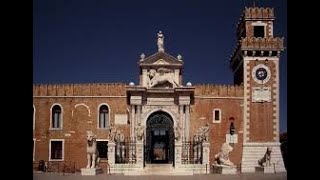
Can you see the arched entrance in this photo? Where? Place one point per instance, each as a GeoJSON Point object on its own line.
{"type": "Point", "coordinates": [159, 145]}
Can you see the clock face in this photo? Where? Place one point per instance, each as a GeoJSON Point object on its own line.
{"type": "Point", "coordinates": [261, 73]}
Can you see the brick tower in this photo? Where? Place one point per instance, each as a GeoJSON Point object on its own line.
{"type": "Point", "coordinates": [255, 64]}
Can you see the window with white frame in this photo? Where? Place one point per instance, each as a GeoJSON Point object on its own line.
{"type": "Point", "coordinates": [103, 116]}
{"type": "Point", "coordinates": [216, 116]}
{"type": "Point", "coordinates": [34, 117]}
{"type": "Point", "coordinates": [34, 147]}
{"type": "Point", "coordinates": [56, 117]}
{"type": "Point", "coordinates": [56, 150]}
{"type": "Point", "coordinates": [102, 146]}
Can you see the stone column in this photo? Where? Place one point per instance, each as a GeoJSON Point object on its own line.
{"type": "Point", "coordinates": [133, 121]}
{"type": "Point", "coordinates": [182, 122]}
{"type": "Point", "coordinates": [187, 119]}
{"type": "Point", "coordinates": [138, 120]}
{"type": "Point", "coordinates": [177, 155]}
{"type": "Point", "coordinates": [111, 153]}
{"type": "Point", "coordinates": [139, 153]}
{"type": "Point", "coordinates": [206, 153]}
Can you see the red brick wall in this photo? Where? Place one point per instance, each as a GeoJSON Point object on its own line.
{"type": "Point", "coordinates": [261, 114]}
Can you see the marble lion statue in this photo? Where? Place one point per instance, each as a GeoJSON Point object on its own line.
{"type": "Point", "coordinates": [161, 76]}
{"type": "Point", "coordinates": [266, 159]}
{"type": "Point", "coordinates": [92, 150]}
{"type": "Point", "coordinates": [222, 158]}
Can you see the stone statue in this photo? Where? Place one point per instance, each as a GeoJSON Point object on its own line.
{"type": "Point", "coordinates": [222, 158]}
{"type": "Point", "coordinates": [266, 159]}
{"type": "Point", "coordinates": [119, 137]}
{"type": "Point", "coordinates": [203, 133]}
{"type": "Point", "coordinates": [92, 150]}
{"type": "Point", "coordinates": [177, 132]}
{"type": "Point", "coordinates": [160, 41]}
{"type": "Point", "coordinates": [112, 133]}
{"type": "Point", "coordinates": [161, 76]}
{"type": "Point", "coordinates": [140, 132]}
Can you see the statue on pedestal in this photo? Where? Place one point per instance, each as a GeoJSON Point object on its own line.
{"type": "Point", "coordinates": [92, 150]}
{"type": "Point", "coordinates": [140, 132]}
{"type": "Point", "coordinates": [222, 158]}
{"type": "Point", "coordinates": [266, 159]}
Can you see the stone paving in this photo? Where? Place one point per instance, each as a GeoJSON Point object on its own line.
{"type": "Point", "coordinates": [77, 176]}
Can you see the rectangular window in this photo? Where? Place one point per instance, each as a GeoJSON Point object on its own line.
{"type": "Point", "coordinates": [56, 149]}
{"type": "Point", "coordinates": [258, 31]}
{"type": "Point", "coordinates": [217, 115]}
{"type": "Point", "coordinates": [103, 149]}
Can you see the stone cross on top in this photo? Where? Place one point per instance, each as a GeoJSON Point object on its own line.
{"type": "Point", "coordinates": [160, 42]}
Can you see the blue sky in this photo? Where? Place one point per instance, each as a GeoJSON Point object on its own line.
{"type": "Point", "coordinates": [88, 41]}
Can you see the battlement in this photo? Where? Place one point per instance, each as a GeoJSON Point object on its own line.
{"type": "Point", "coordinates": [258, 13]}
{"type": "Point", "coordinates": [97, 89]}
{"type": "Point", "coordinates": [258, 43]}
{"type": "Point", "coordinates": [218, 90]}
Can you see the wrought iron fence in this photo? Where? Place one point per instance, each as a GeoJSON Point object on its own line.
{"type": "Point", "coordinates": [192, 151]}
{"type": "Point", "coordinates": [125, 152]}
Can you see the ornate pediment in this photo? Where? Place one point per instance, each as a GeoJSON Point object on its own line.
{"type": "Point", "coordinates": [160, 58]}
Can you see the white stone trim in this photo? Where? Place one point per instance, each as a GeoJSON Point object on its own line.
{"type": "Point", "coordinates": [159, 109]}
{"type": "Point", "coordinates": [255, 68]}
{"type": "Point", "coordinates": [61, 123]}
{"type": "Point", "coordinates": [34, 117]}
{"type": "Point", "coordinates": [259, 23]}
{"type": "Point", "coordinates": [62, 140]}
{"type": "Point", "coordinates": [271, 29]}
{"type": "Point", "coordinates": [216, 97]}
{"type": "Point", "coordinates": [82, 104]}
{"type": "Point", "coordinates": [80, 96]}
{"type": "Point", "coordinates": [34, 147]}
{"type": "Point", "coordinates": [98, 115]}
{"type": "Point", "coordinates": [269, 58]}
{"type": "Point", "coordinates": [245, 102]}
{"type": "Point", "coordinates": [213, 115]}
{"type": "Point", "coordinates": [276, 96]}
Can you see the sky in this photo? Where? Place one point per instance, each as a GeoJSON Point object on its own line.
{"type": "Point", "coordinates": [100, 41]}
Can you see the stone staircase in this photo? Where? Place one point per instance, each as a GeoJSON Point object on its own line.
{"type": "Point", "coordinates": [252, 152]}
{"type": "Point", "coordinates": [160, 169]}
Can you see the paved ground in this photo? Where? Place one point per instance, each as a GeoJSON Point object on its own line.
{"type": "Point", "coordinates": [253, 176]}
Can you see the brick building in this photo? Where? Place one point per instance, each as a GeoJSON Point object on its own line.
{"type": "Point", "coordinates": [170, 114]}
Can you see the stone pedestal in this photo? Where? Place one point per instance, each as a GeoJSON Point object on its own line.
{"type": "Point", "coordinates": [90, 171]}
{"type": "Point", "coordinates": [267, 169]}
{"type": "Point", "coordinates": [139, 154]}
{"type": "Point", "coordinates": [111, 153]}
{"type": "Point", "coordinates": [177, 155]}
{"type": "Point", "coordinates": [205, 152]}
{"type": "Point", "coordinates": [224, 170]}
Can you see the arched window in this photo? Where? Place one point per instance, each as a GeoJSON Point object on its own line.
{"type": "Point", "coordinates": [56, 117]}
{"type": "Point", "coordinates": [103, 116]}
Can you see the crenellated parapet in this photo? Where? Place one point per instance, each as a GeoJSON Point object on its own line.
{"type": "Point", "coordinates": [97, 89]}
{"type": "Point", "coordinates": [258, 12]}
{"type": "Point", "coordinates": [258, 43]}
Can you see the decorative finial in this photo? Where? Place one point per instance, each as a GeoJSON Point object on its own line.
{"type": "Point", "coordinates": [189, 84]}
{"type": "Point", "coordinates": [142, 56]}
{"type": "Point", "coordinates": [131, 84]}
{"type": "Point", "coordinates": [160, 41]}
{"type": "Point", "coordinates": [179, 57]}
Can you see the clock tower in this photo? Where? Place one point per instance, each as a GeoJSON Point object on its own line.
{"type": "Point", "coordinates": [255, 64]}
